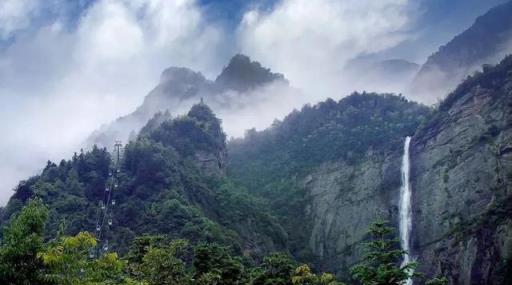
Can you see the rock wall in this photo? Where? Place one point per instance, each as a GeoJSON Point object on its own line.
{"type": "Point", "coordinates": [345, 199]}
{"type": "Point", "coordinates": [461, 178]}
{"type": "Point", "coordinates": [462, 185]}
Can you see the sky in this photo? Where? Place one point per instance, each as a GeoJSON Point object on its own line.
{"type": "Point", "coordinates": [67, 67]}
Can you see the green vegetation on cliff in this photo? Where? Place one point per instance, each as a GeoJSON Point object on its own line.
{"type": "Point", "coordinates": [171, 182]}
{"type": "Point", "coordinates": [274, 164]}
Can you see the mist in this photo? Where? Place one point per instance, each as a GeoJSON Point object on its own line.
{"type": "Point", "coordinates": [67, 70]}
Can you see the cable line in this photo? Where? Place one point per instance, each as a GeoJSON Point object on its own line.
{"type": "Point", "coordinates": [104, 219]}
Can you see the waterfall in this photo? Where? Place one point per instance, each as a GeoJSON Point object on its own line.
{"type": "Point", "coordinates": [405, 207]}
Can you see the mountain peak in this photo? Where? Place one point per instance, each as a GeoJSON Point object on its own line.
{"type": "Point", "coordinates": [202, 113]}
{"type": "Point", "coordinates": [180, 74]}
{"type": "Point", "coordinates": [242, 74]}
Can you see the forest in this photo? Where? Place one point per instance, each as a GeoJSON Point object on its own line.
{"type": "Point", "coordinates": [25, 258]}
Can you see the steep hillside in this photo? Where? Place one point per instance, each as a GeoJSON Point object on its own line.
{"type": "Point", "coordinates": [328, 171]}
{"type": "Point", "coordinates": [180, 88]}
{"type": "Point", "coordinates": [485, 42]}
{"type": "Point", "coordinates": [172, 182]}
{"type": "Point", "coordinates": [462, 182]}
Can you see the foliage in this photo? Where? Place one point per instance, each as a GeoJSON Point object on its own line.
{"type": "Point", "coordinates": [165, 265]}
{"type": "Point", "coordinates": [20, 262]}
{"type": "Point", "coordinates": [379, 265]}
{"type": "Point", "coordinates": [304, 276]}
{"type": "Point", "coordinates": [214, 264]}
{"type": "Point", "coordinates": [381, 261]}
{"type": "Point", "coordinates": [276, 270]}
{"type": "Point", "coordinates": [69, 262]}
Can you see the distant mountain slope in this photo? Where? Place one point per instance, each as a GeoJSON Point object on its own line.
{"type": "Point", "coordinates": [242, 74]}
{"type": "Point", "coordinates": [180, 88]}
{"type": "Point", "coordinates": [487, 41]}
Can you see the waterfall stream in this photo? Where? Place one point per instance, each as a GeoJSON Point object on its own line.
{"type": "Point", "coordinates": [405, 207]}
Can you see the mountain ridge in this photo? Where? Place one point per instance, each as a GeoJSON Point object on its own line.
{"type": "Point", "coordinates": [487, 41]}
{"type": "Point", "coordinates": [180, 87]}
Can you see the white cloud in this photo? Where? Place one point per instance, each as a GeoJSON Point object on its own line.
{"type": "Point", "coordinates": [16, 15]}
{"type": "Point", "coordinates": [311, 40]}
{"type": "Point", "coordinates": [58, 85]}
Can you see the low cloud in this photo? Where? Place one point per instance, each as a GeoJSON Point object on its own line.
{"type": "Point", "coordinates": [59, 83]}
{"type": "Point", "coordinates": [16, 15]}
{"type": "Point", "coordinates": [64, 77]}
{"type": "Point", "coordinates": [311, 41]}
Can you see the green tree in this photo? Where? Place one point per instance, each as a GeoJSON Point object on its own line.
{"type": "Point", "coordinates": [138, 249]}
{"type": "Point", "coordinates": [69, 263]}
{"type": "Point", "coordinates": [165, 265]}
{"type": "Point", "coordinates": [20, 263]}
{"type": "Point", "coordinates": [381, 261]}
{"type": "Point", "coordinates": [213, 264]}
{"type": "Point", "coordinates": [303, 276]}
{"type": "Point", "coordinates": [380, 265]}
{"type": "Point", "coordinates": [276, 269]}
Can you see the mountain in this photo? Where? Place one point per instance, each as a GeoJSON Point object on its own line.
{"type": "Point", "coordinates": [329, 170]}
{"type": "Point", "coordinates": [180, 88]}
{"type": "Point", "coordinates": [172, 181]}
{"type": "Point", "coordinates": [462, 182]}
{"type": "Point", "coordinates": [242, 74]}
{"type": "Point", "coordinates": [485, 42]}
{"type": "Point", "coordinates": [310, 184]}
{"type": "Point", "coordinates": [178, 178]}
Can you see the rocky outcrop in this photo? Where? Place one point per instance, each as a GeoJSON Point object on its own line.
{"type": "Point", "coordinates": [210, 158]}
{"type": "Point", "coordinates": [462, 183]}
{"type": "Point", "coordinates": [198, 137]}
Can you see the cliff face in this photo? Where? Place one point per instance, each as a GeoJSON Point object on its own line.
{"type": "Point", "coordinates": [345, 199]}
{"type": "Point", "coordinates": [462, 183]}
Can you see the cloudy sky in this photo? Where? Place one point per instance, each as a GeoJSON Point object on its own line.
{"type": "Point", "coordinates": [66, 67]}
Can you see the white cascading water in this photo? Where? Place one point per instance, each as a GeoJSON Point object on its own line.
{"type": "Point", "coordinates": [405, 207]}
